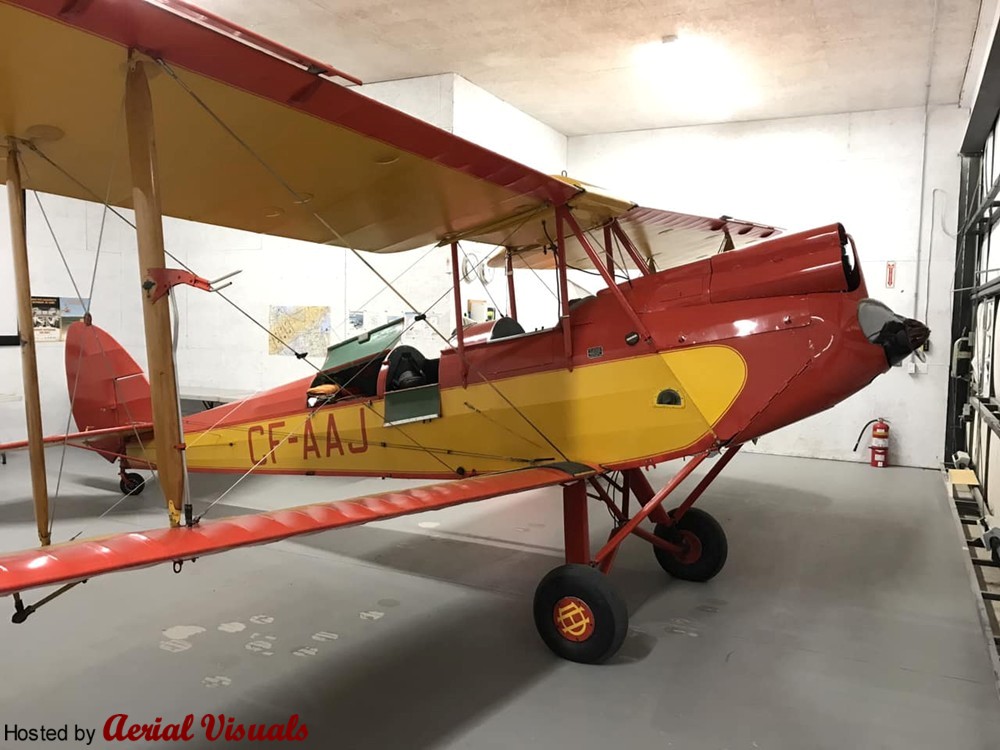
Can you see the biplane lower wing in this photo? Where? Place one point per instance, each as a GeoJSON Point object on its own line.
{"type": "Point", "coordinates": [84, 559]}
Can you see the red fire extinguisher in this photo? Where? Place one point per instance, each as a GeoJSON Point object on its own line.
{"type": "Point", "coordinates": [879, 445]}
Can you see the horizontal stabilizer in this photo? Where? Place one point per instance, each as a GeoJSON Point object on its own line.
{"type": "Point", "coordinates": [80, 560]}
{"type": "Point", "coordinates": [81, 439]}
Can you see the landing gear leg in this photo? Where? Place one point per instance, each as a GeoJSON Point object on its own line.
{"type": "Point", "coordinates": [578, 611]}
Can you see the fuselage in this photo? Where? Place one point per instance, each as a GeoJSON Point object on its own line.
{"type": "Point", "coordinates": [742, 343]}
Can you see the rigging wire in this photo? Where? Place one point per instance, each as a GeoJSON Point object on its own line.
{"type": "Point", "coordinates": [339, 238]}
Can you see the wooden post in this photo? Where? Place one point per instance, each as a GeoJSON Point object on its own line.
{"type": "Point", "coordinates": [26, 330]}
{"type": "Point", "coordinates": [511, 299]}
{"type": "Point", "coordinates": [156, 315]}
{"type": "Point", "coordinates": [560, 254]}
{"type": "Point", "coordinates": [456, 289]}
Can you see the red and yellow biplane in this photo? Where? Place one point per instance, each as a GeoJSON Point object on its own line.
{"type": "Point", "coordinates": [697, 344]}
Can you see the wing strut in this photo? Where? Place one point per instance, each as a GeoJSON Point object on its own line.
{"type": "Point", "coordinates": [26, 330]}
{"type": "Point", "coordinates": [167, 435]}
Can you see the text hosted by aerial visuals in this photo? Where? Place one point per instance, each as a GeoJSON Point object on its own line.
{"type": "Point", "coordinates": [122, 728]}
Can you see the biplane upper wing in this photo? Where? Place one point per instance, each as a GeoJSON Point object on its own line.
{"type": "Point", "coordinates": [664, 239]}
{"type": "Point", "coordinates": [84, 559]}
{"type": "Point", "coordinates": [380, 179]}
{"type": "Point", "coordinates": [248, 140]}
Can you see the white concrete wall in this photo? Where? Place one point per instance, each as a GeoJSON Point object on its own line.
{"type": "Point", "coordinates": [863, 169]}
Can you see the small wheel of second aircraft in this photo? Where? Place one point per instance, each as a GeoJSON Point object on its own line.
{"type": "Point", "coordinates": [579, 614]}
{"type": "Point", "coordinates": [132, 484]}
{"type": "Point", "coordinates": [704, 542]}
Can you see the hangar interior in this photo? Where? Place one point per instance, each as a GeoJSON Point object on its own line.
{"type": "Point", "coordinates": [855, 608]}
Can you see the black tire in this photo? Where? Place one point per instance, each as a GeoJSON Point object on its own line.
{"type": "Point", "coordinates": [132, 484]}
{"type": "Point", "coordinates": [592, 605]}
{"type": "Point", "coordinates": [711, 539]}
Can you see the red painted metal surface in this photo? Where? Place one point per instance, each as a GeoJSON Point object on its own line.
{"type": "Point", "coordinates": [657, 218]}
{"type": "Point", "coordinates": [167, 278]}
{"type": "Point", "coordinates": [703, 484]}
{"type": "Point", "coordinates": [803, 263]}
{"type": "Point", "coordinates": [107, 386]}
{"type": "Point", "coordinates": [608, 550]}
{"type": "Point", "coordinates": [638, 483]}
{"type": "Point", "coordinates": [191, 45]}
{"type": "Point", "coordinates": [76, 561]}
{"type": "Point", "coordinates": [576, 523]}
{"type": "Point", "coordinates": [228, 27]}
{"type": "Point", "coordinates": [606, 275]}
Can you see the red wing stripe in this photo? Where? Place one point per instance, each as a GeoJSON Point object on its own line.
{"type": "Point", "coordinates": [77, 561]}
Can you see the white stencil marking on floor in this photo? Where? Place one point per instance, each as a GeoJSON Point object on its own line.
{"type": "Point", "coordinates": [324, 636]}
{"type": "Point", "coordinates": [262, 644]}
{"type": "Point", "coordinates": [306, 651]}
{"type": "Point", "coordinates": [428, 524]}
{"type": "Point", "coordinates": [261, 619]}
{"type": "Point", "coordinates": [182, 632]}
{"type": "Point", "coordinates": [232, 627]}
{"type": "Point", "coordinates": [217, 681]}
{"type": "Point", "coordinates": [175, 647]}
{"type": "Point", "coordinates": [372, 615]}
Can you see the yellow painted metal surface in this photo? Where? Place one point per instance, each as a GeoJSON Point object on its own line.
{"type": "Point", "coordinates": [600, 414]}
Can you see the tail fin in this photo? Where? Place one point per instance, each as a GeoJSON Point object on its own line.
{"type": "Point", "coordinates": [107, 386]}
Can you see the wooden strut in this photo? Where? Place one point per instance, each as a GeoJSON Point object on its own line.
{"type": "Point", "coordinates": [456, 282]}
{"type": "Point", "coordinates": [564, 320]}
{"type": "Point", "coordinates": [156, 315]}
{"type": "Point", "coordinates": [26, 329]}
{"type": "Point", "coordinates": [511, 298]}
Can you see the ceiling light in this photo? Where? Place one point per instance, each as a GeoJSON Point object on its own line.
{"type": "Point", "coordinates": [694, 76]}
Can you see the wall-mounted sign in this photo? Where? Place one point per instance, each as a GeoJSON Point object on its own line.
{"type": "Point", "coordinates": [890, 274]}
{"type": "Point", "coordinates": [51, 316]}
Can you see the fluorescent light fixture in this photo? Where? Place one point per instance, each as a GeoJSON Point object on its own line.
{"type": "Point", "coordinates": [694, 75]}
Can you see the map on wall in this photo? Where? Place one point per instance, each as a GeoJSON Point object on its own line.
{"type": "Point", "coordinates": [304, 329]}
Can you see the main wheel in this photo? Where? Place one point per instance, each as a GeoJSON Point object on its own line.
{"type": "Point", "coordinates": [705, 546]}
{"type": "Point", "coordinates": [579, 614]}
{"type": "Point", "coordinates": [132, 484]}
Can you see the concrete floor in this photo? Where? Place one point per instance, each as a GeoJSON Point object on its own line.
{"type": "Point", "coordinates": [844, 619]}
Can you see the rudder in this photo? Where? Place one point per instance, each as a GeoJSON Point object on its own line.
{"type": "Point", "coordinates": [107, 387]}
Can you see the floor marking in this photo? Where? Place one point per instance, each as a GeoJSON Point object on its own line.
{"type": "Point", "coordinates": [324, 636]}
{"type": "Point", "coordinates": [261, 645]}
{"type": "Point", "coordinates": [182, 632]}
{"type": "Point", "coordinates": [217, 681]}
{"type": "Point", "coordinates": [428, 524]}
{"type": "Point", "coordinates": [372, 615]}
{"type": "Point", "coordinates": [682, 626]}
{"type": "Point", "coordinates": [175, 647]}
{"type": "Point", "coordinates": [261, 619]}
{"type": "Point", "coordinates": [232, 627]}
{"type": "Point", "coordinates": [304, 651]}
